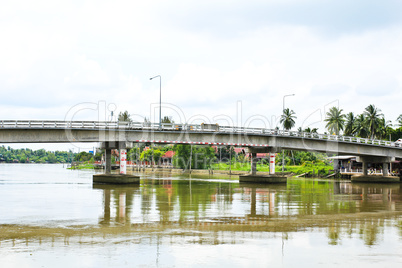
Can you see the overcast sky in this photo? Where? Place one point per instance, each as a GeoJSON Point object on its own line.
{"type": "Point", "coordinates": [229, 62]}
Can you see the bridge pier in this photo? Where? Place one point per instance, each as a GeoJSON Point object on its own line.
{"type": "Point", "coordinates": [272, 163]}
{"type": "Point", "coordinates": [256, 178]}
{"type": "Point", "coordinates": [373, 178]}
{"type": "Point", "coordinates": [108, 160]}
{"type": "Point", "coordinates": [108, 177]}
{"type": "Point", "coordinates": [253, 164]}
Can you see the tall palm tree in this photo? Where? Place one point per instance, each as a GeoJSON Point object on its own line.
{"type": "Point", "coordinates": [350, 124]}
{"type": "Point", "coordinates": [124, 117]}
{"type": "Point", "coordinates": [360, 127]}
{"type": "Point", "coordinates": [373, 117]}
{"type": "Point", "coordinates": [399, 120]}
{"type": "Point", "coordinates": [335, 119]}
{"type": "Point", "coordinates": [385, 129]}
{"type": "Point", "coordinates": [288, 119]}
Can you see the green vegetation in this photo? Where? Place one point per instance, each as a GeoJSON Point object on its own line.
{"type": "Point", "coordinates": [369, 124]}
{"type": "Point", "coordinates": [288, 119]}
{"type": "Point", "coordinates": [10, 155]}
{"type": "Point", "coordinates": [201, 157]}
{"type": "Point", "coordinates": [335, 120]}
{"type": "Point", "coordinates": [296, 163]}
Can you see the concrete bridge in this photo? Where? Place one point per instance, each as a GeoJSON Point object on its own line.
{"type": "Point", "coordinates": [121, 135]}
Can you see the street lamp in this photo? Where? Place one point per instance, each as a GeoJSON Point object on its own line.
{"type": "Point", "coordinates": [283, 113]}
{"type": "Point", "coordinates": [160, 99]}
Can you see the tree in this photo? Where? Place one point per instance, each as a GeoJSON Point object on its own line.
{"type": "Point", "coordinates": [124, 117]}
{"type": "Point", "coordinates": [385, 129]}
{"type": "Point", "coordinates": [167, 120]}
{"type": "Point", "coordinates": [335, 120]}
{"type": "Point", "coordinates": [350, 124]}
{"type": "Point", "coordinates": [182, 157]}
{"type": "Point", "coordinates": [202, 157]}
{"type": "Point", "coordinates": [373, 118]}
{"type": "Point", "coordinates": [399, 120]}
{"type": "Point", "coordinates": [311, 130]}
{"type": "Point", "coordinates": [147, 123]}
{"type": "Point", "coordinates": [151, 155]}
{"type": "Point", "coordinates": [288, 119]}
{"type": "Point", "coordinates": [360, 127]}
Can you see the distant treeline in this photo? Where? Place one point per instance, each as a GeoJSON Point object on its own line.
{"type": "Point", "coordinates": [9, 155]}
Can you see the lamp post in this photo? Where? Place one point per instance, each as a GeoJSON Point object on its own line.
{"type": "Point", "coordinates": [160, 99]}
{"type": "Point", "coordinates": [283, 113]}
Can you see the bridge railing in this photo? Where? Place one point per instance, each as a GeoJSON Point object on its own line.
{"type": "Point", "coordinates": [40, 124]}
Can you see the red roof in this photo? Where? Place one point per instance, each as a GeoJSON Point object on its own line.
{"type": "Point", "coordinates": [239, 150]}
{"type": "Point", "coordinates": [169, 154]}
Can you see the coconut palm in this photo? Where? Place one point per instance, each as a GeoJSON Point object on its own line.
{"type": "Point", "coordinates": [399, 120]}
{"type": "Point", "coordinates": [360, 127]}
{"type": "Point", "coordinates": [373, 117]}
{"type": "Point", "coordinates": [350, 124]}
{"type": "Point", "coordinates": [124, 117]}
{"type": "Point", "coordinates": [385, 129]}
{"type": "Point", "coordinates": [288, 119]}
{"type": "Point", "coordinates": [311, 130]}
{"type": "Point", "coordinates": [335, 119]}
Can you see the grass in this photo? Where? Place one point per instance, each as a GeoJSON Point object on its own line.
{"type": "Point", "coordinates": [307, 167]}
{"type": "Point", "coordinates": [82, 166]}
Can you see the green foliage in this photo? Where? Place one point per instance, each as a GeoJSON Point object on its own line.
{"type": "Point", "coordinates": [350, 124]}
{"type": "Point", "coordinates": [167, 120]}
{"type": "Point", "coordinates": [372, 121]}
{"type": "Point", "coordinates": [335, 120]}
{"type": "Point", "coordinates": [83, 157]}
{"type": "Point", "coordinates": [202, 157]}
{"type": "Point", "coordinates": [124, 117]}
{"type": "Point", "coordinates": [151, 155]}
{"type": "Point", "coordinates": [10, 155]}
{"type": "Point", "coordinates": [288, 119]}
{"type": "Point", "coordinates": [399, 120]}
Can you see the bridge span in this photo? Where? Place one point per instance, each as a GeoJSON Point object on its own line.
{"type": "Point", "coordinates": [119, 135]}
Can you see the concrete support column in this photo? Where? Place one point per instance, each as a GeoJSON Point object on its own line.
{"type": "Point", "coordinates": [123, 161]}
{"type": "Point", "coordinates": [271, 163]}
{"type": "Point", "coordinates": [108, 161]}
{"type": "Point", "coordinates": [365, 167]}
{"type": "Point", "coordinates": [253, 163]}
{"type": "Point", "coordinates": [385, 169]}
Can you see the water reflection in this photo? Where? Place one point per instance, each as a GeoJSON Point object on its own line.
{"type": "Point", "coordinates": [219, 212]}
{"type": "Point", "coordinates": [340, 207]}
{"type": "Point", "coordinates": [122, 201]}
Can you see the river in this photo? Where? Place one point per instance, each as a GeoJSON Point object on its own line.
{"type": "Point", "coordinates": [54, 217]}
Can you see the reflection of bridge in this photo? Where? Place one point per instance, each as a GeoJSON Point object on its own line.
{"type": "Point", "coordinates": [120, 134]}
{"type": "Point", "coordinates": [269, 209]}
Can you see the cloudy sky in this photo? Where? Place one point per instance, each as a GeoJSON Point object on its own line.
{"type": "Point", "coordinates": [229, 62]}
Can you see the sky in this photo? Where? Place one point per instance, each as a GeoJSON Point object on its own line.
{"type": "Point", "coordinates": [220, 61]}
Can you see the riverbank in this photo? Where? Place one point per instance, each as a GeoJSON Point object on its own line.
{"type": "Point", "coordinates": [237, 169]}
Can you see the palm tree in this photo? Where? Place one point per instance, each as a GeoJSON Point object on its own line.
{"type": "Point", "coordinates": [385, 129]}
{"type": "Point", "coordinates": [124, 117]}
{"type": "Point", "coordinates": [360, 128]}
{"type": "Point", "coordinates": [288, 119]}
{"type": "Point", "coordinates": [311, 130]}
{"type": "Point", "coordinates": [399, 120]}
{"type": "Point", "coordinates": [350, 124]}
{"type": "Point", "coordinates": [373, 117]}
{"type": "Point", "coordinates": [167, 120]}
{"type": "Point", "coordinates": [335, 119]}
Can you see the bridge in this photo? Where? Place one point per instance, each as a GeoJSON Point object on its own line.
{"type": "Point", "coordinates": [121, 135]}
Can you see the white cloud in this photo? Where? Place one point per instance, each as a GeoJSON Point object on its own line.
{"type": "Point", "coordinates": [210, 55]}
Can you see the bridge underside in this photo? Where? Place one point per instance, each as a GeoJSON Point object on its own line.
{"type": "Point", "coordinates": [258, 142]}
